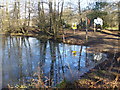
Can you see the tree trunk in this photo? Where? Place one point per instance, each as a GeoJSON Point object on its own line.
{"type": "Point", "coordinates": [50, 13]}
{"type": "Point", "coordinates": [61, 10]}
{"type": "Point", "coordinates": [119, 15]}
{"type": "Point", "coordinates": [29, 14]}
{"type": "Point", "coordinates": [18, 14]}
{"type": "Point", "coordinates": [80, 18]}
{"type": "Point", "coordinates": [25, 14]}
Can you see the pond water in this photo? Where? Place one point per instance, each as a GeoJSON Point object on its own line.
{"type": "Point", "coordinates": [25, 57]}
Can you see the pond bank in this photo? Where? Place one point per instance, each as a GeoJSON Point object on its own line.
{"type": "Point", "coordinates": [107, 74]}
{"type": "Point", "coordinates": [100, 41]}
{"type": "Point", "coordinates": [103, 75]}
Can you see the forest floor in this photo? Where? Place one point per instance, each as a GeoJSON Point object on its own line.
{"type": "Point", "coordinates": [104, 40]}
{"type": "Point", "coordinates": [106, 74]}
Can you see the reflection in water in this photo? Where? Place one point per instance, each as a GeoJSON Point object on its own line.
{"type": "Point", "coordinates": [57, 61]}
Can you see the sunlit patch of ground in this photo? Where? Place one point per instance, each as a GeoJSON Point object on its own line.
{"type": "Point", "coordinates": [107, 74]}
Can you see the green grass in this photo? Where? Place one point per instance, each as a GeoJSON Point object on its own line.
{"type": "Point", "coordinates": [113, 28]}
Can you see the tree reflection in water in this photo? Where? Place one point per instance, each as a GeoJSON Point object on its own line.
{"type": "Point", "coordinates": [23, 55]}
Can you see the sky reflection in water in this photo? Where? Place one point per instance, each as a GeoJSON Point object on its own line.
{"type": "Point", "coordinates": [22, 57]}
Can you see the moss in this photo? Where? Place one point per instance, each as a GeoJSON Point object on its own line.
{"type": "Point", "coordinates": [62, 84]}
{"type": "Point", "coordinates": [66, 84]}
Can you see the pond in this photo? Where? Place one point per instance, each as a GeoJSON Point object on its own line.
{"type": "Point", "coordinates": [23, 58]}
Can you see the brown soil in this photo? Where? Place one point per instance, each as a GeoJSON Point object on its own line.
{"type": "Point", "coordinates": [107, 74]}
{"type": "Point", "coordinates": [99, 41]}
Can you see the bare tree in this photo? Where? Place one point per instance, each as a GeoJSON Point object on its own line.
{"type": "Point", "coordinates": [79, 6]}
{"type": "Point", "coordinates": [119, 15]}
{"type": "Point", "coordinates": [29, 13]}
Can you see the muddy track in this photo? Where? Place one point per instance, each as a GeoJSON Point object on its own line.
{"type": "Point", "coordinates": [100, 41]}
{"type": "Point", "coordinates": [106, 74]}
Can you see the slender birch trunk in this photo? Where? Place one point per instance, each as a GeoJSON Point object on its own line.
{"type": "Point", "coordinates": [119, 15]}
{"type": "Point", "coordinates": [29, 13]}
{"type": "Point", "coordinates": [50, 13]}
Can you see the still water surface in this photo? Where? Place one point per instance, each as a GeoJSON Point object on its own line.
{"type": "Point", "coordinates": [23, 57]}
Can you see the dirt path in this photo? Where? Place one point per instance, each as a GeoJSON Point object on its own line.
{"type": "Point", "coordinates": [107, 74]}
{"type": "Point", "coordinates": [99, 41]}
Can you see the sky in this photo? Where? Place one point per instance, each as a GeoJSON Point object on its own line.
{"type": "Point", "coordinates": [74, 3]}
